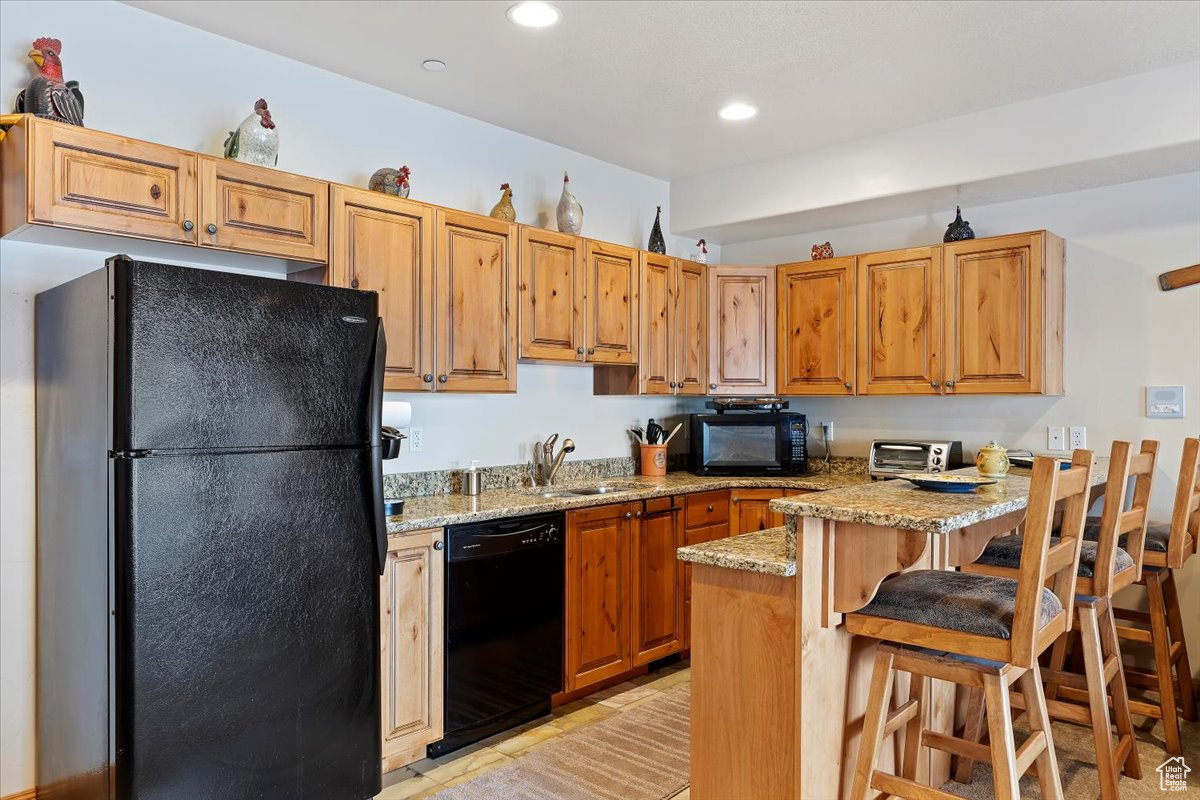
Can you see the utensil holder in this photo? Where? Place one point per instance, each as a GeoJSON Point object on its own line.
{"type": "Point", "coordinates": [654, 459]}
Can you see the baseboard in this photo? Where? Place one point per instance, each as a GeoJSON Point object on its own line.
{"type": "Point", "coordinates": [28, 794]}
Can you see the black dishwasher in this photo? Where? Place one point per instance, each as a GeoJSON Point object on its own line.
{"type": "Point", "coordinates": [504, 626]}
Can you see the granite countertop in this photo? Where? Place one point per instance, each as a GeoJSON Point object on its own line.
{"type": "Point", "coordinates": [760, 551]}
{"type": "Point", "coordinates": [434, 511]}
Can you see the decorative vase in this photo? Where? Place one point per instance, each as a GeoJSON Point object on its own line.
{"type": "Point", "coordinates": [255, 141]}
{"type": "Point", "coordinates": [657, 243]}
{"type": "Point", "coordinates": [820, 251]}
{"type": "Point", "coordinates": [992, 460]}
{"type": "Point", "coordinates": [701, 256]}
{"type": "Point", "coordinates": [504, 209]}
{"type": "Point", "coordinates": [570, 212]}
{"type": "Point", "coordinates": [390, 181]}
{"type": "Point", "coordinates": [959, 230]}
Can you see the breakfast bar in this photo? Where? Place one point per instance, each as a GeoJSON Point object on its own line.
{"type": "Point", "coordinates": [779, 687]}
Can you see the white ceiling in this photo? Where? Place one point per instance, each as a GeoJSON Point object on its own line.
{"type": "Point", "coordinates": [639, 83]}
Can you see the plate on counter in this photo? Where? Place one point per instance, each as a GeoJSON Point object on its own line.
{"type": "Point", "coordinates": [957, 484]}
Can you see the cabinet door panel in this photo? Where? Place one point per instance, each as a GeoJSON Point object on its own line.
{"type": "Point", "coordinates": [656, 357]}
{"type": "Point", "coordinates": [597, 603]}
{"type": "Point", "coordinates": [261, 210]}
{"type": "Point", "coordinates": [612, 304]}
{"type": "Point", "coordinates": [993, 314]}
{"type": "Point", "coordinates": [474, 293]}
{"type": "Point", "coordinates": [816, 327]}
{"type": "Point", "coordinates": [96, 181]}
{"type": "Point", "coordinates": [385, 244]}
{"type": "Point", "coordinates": [657, 605]}
{"type": "Point", "coordinates": [411, 605]}
{"type": "Point", "coordinates": [741, 330]}
{"type": "Point", "coordinates": [691, 343]}
{"type": "Point", "coordinates": [750, 510]}
{"type": "Point", "coordinates": [551, 296]}
{"type": "Point", "coordinates": [900, 322]}
{"type": "Point", "coordinates": [691, 536]}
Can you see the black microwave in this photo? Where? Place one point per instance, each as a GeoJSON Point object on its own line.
{"type": "Point", "coordinates": [749, 444]}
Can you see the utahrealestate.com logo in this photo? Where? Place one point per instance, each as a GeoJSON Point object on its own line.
{"type": "Point", "coordinates": [1172, 775]}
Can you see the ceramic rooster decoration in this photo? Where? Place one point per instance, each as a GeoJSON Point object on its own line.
{"type": "Point", "coordinates": [255, 141]}
{"type": "Point", "coordinates": [504, 209]}
{"type": "Point", "coordinates": [570, 213]}
{"type": "Point", "coordinates": [47, 95]}
{"type": "Point", "coordinates": [391, 181]}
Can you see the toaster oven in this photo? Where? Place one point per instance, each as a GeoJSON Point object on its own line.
{"type": "Point", "coordinates": [891, 457]}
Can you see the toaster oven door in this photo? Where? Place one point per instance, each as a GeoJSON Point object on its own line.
{"type": "Point", "coordinates": [900, 458]}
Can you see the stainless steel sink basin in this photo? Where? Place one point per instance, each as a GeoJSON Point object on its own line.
{"type": "Point", "coordinates": [556, 494]}
{"type": "Point", "coordinates": [604, 489]}
{"type": "Point", "coordinates": [589, 491]}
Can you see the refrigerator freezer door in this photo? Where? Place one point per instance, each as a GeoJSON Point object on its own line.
{"type": "Point", "coordinates": [248, 626]}
{"type": "Point", "coordinates": [214, 360]}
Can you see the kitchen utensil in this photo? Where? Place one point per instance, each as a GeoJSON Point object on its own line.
{"type": "Point", "coordinates": [654, 432]}
{"type": "Point", "coordinates": [674, 431]}
{"type": "Point", "coordinates": [637, 437]}
{"type": "Point", "coordinates": [958, 484]}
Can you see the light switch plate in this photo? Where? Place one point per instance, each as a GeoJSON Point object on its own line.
{"type": "Point", "coordinates": [1056, 438]}
{"type": "Point", "coordinates": [1165, 402]}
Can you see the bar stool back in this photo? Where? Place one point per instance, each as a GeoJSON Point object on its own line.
{"type": "Point", "coordinates": [978, 631]}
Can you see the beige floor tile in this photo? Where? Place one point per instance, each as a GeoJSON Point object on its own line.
{"type": "Point", "coordinates": [671, 680]}
{"type": "Point", "coordinates": [632, 695]}
{"type": "Point", "coordinates": [686, 794]}
{"type": "Point", "coordinates": [572, 707]}
{"type": "Point", "coordinates": [444, 771]}
{"type": "Point", "coordinates": [410, 788]}
{"type": "Point", "coordinates": [528, 738]}
{"type": "Point", "coordinates": [584, 716]}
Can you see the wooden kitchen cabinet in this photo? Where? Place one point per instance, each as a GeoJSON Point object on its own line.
{"type": "Point", "coordinates": [385, 244]}
{"type": "Point", "coordinates": [691, 326]}
{"type": "Point", "coordinates": [900, 323]}
{"type": "Point", "coordinates": [657, 359]}
{"type": "Point", "coordinates": [706, 519]}
{"type": "Point", "coordinates": [597, 613]}
{"type": "Point", "coordinates": [475, 300]}
{"type": "Point", "coordinates": [741, 313]}
{"type": "Point", "coordinates": [612, 303]}
{"type": "Point", "coordinates": [815, 327]}
{"type": "Point", "coordinates": [551, 289]}
{"type": "Point", "coordinates": [253, 209]}
{"type": "Point", "coordinates": [1004, 315]}
{"type": "Point", "coordinates": [749, 510]}
{"type": "Point", "coordinates": [656, 590]}
{"type": "Point", "coordinates": [66, 176]}
{"type": "Point", "coordinates": [411, 609]}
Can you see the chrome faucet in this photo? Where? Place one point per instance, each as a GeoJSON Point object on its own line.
{"type": "Point", "coordinates": [550, 463]}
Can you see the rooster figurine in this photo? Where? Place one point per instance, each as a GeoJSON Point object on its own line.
{"type": "Point", "coordinates": [255, 141]}
{"type": "Point", "coordinates": [570, 213]}
{"type": "Point", "coordinates": [47, 95]}
{"type": "Point", "coordinates": [504, 209]}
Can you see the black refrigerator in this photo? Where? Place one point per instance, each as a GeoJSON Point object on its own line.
{"type": "Point", "coordinates": [210, 536]}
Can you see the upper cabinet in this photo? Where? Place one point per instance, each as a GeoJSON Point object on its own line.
{"type": "Point", "coordinates": [384, 244]}
{"type": "Point", "coordinates": [551, 289]}
{"type": "Point", "coordinates": [691, 328]}
{"type": "Point", "coordinates": [1004, 315]}
{"type": "Point", "coordinates": [741, 315]}
{"type": "Point", "coordinates": [254, 209]}
{"type": "Point", "coordinates": [475, 301]}
{"type": "Point", "coordinates": [900, 322]}
{"type": "Point", "coordinates": [815, 325]}
{"type": "Point", "coordinates": [612, 303]}
{"type": "Point", "coordinates": [657, 361]}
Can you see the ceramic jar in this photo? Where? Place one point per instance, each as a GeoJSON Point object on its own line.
{"type": "Point", "coordinates": [992, 460]}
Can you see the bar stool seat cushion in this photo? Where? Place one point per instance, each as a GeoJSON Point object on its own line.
{"type": "Point", "coordinates": [1157, 534]}
{"type": "Point", "coordinates": [1005, 551]}
{"type": "Point", "coordinates": [956, 601]}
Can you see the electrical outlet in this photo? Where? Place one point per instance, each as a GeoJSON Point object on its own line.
{"type": "Point", "coordinates": [1078, 437]}
{"type": "Point", "coordinates": [416, 440]}
{"type": "Point", "coordinates": [827, 432]}
{"type": "Point", "coordinates": [1056, 438]}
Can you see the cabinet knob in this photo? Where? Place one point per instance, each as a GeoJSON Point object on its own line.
{"type": "Point", "coordinates": [949, 384]}
{"type": "Point", "coordinates": [672, 384]}
{"type": "Point", "coordinates": [712, 386]}
{"type": "Point", "coordinates": [628, 515]}
{"type": "Point", "coordinates": [427, 377]}
{"type": "Point", "coordinates": [211, 228]}
{"type": "Point", "coordinates": [710, 508]}
{"type": "Point", "coordinates": [443, 378]}
{"type": "Point", "coordinates": [579, 350]}
{"type": "Point", "coordinates": [439, 545]}
{"type": "Point", "coordinates": [848, 385]}
{"type": "Point", "coordinates": [354, 282]}
{"type": "Point", "coordinates": [735, 499]}
{"type": "Point", "coordinates": [188, 225]}
{"type": "Point", "coordinates": [591, 351]}
{"type": "Point", "coordinates": [934, 384]}
{"type": "Point", "coordinates": [637, 514]}
{"type": "Point", "coordinates": [155, 192]}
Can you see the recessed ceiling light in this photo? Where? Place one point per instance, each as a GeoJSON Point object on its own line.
{"type": "Point", "coordinates": [534, 14]}
{"type": "Point", "coordinates": [738, 111]}
{"type": "Point", "coordinates": [433, 64]}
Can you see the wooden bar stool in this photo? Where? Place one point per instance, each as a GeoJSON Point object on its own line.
{"type": "Point", "coordinates": [1109, 560]}
{"type": "Point", "coordinates": [982, 632]}
{"type": "Point", "coordinates": [1168, 547]}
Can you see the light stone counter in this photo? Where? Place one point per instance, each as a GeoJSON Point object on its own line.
{"type": "Point", "coordinates": [760, 551]}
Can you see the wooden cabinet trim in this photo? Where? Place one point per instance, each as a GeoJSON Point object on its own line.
{"type": "Point", "coordinates": [811, 337]}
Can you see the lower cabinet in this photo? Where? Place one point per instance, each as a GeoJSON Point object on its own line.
{"type": "Point", "coordinates": [706, 518]}
{"type": "Point", "coordinates": [657, 606]}
{"type": "Point", "coordinates": [749, 510]}
{"type": "Point", "coordinates": [411, 606]}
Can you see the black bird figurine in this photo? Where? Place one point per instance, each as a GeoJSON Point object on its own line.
{"type": "Point", "coordinates": [47, 95]}
{"type": "Point", "coordinates": [657, 243]}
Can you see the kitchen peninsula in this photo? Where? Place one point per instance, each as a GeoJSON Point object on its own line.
{"type": "Point", "coordinates": [779, 687]}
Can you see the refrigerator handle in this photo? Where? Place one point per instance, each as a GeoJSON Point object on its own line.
{"type": "Point", "coordinates": [376, 449]}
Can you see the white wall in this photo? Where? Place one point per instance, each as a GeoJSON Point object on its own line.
{"type": "Point", "coordinates": [150, 78]}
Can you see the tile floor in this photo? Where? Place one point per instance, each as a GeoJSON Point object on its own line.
{"type": "Point", "coordinates": [429, 776]}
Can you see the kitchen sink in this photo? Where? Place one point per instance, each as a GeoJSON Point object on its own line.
{"type": "Point", "coordinates": [589, 491]}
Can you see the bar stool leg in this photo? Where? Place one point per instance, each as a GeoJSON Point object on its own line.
{"type": "Point", "coordinates": [873, 722]}
{"type": "Point", "coordinates": [912, 731]}
{"type": "Point", "coordinates": [1093, 661]}
{"type": "Point", "coordinates": [1161, 639]}
{"type": "Point", "coordinates": [964, 769]}
{"type": "Point", "coordinates": [1046, 764]}
{"type": "Point", "coordinates": [1183, 667]}
{"type": "Point", "coordinates": [999, 717]}
{"type": "Point", "coordinates": [1110, 648]}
